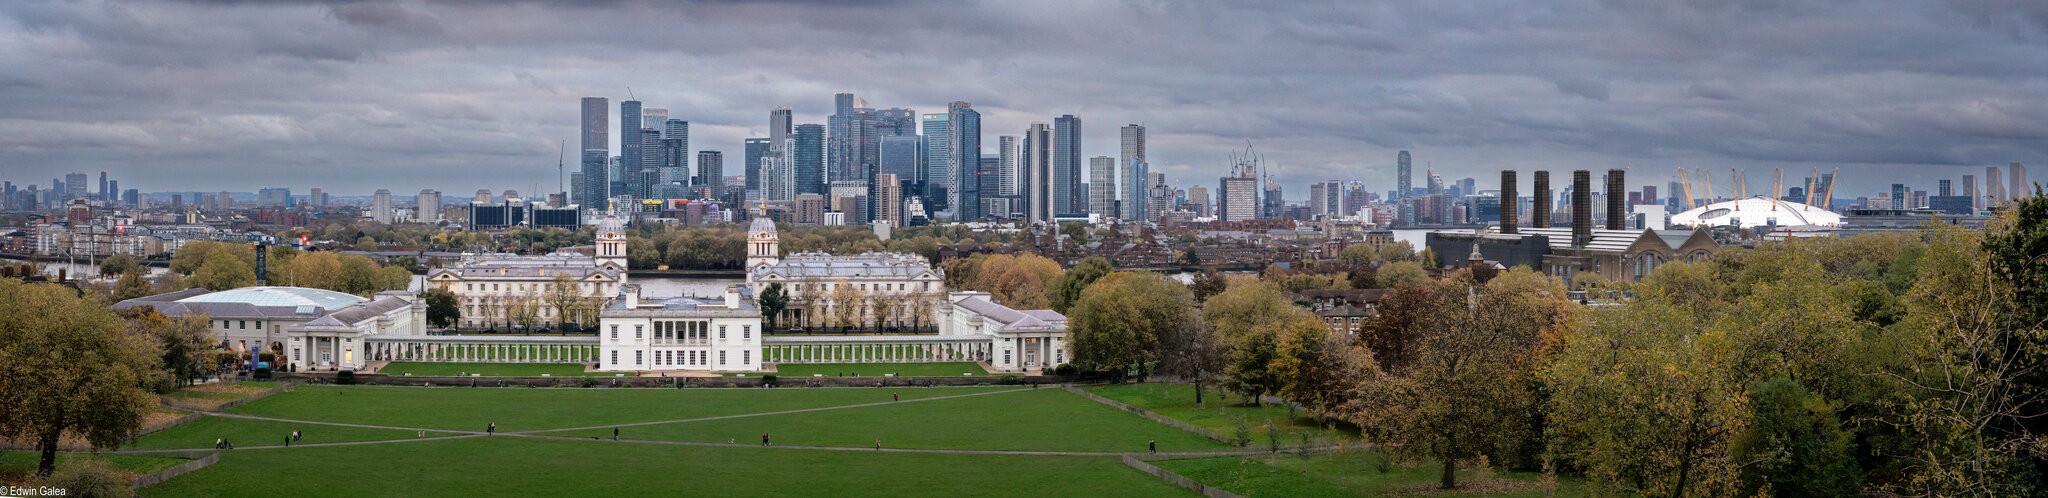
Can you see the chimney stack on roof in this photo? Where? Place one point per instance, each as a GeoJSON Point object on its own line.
{"type": "Point", "coordinates": [1582, 207]}
{"type": "Point", "coordinates": [1510, 202]}
{"type": "Point", "coordinates": [1617, 207]}
{"type": "Point", "coordinates": [1539, 212]}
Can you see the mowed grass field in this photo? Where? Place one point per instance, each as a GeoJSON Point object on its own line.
{"type": "Point", "coordinates": [1356, 473]}
{"type": "Point", "coordinates": [1226, 415]}
{"type": "Point", "coordinates": [244, 433]}
{"type": "Point", "coordinates": [525, 409]}
{"type": "Point", "coordinates": [966, 418]}
{"type": "Point", "coordinates": [1043, 419]}
{"type": "Point", "coordinates": [437, 369]}
{"type": "Point", "coordinates": [515, 466]}
{"type": "Point", "coordinates": [793, 371]}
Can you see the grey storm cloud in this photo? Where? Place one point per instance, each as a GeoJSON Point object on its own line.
{"type": "Point", "coordinates": [353, 96]}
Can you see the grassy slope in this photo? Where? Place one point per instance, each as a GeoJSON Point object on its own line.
{"type": "Point", "coordinates": [1042, 419]}
{"type": "Point", "coordinates": [201, 433]}
{"type": "Point", "coordinates": [1218, 414]}
{"type": "Point", "coordinates": [509, 466]}
{"type": "Point", "coordinates": [1353, 473]}
{"type": "Point", "coordinates": [517, 409]}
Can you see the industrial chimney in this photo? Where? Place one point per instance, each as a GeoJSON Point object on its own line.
{"type": "Point", "coordinates": [1539, 214]}
{"type": "Point", "coordinates": [1510, 202]}
{"type": "Point", "coordinates": [1582, 207]}
{"type": "Point", "coordinates": [1617, 205]}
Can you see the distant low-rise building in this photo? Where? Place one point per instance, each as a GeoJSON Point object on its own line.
{"type": "Point", "coordinates": [309, 329]}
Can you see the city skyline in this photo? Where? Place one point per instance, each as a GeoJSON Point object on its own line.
{"type": "Point", "coordinates": [360, 96]}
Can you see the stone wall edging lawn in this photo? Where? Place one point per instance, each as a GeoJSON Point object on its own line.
{"type": "Point", "coordinates": [181, 469]}
{"type": "Point", "coordinates": [1177, 479]}
{"type": "Point", "coordinates": [1176, 423]}
{"type": "Point", "coordinates": [690, 382]}
{"type": "Point", "coordinates": [188, 417]}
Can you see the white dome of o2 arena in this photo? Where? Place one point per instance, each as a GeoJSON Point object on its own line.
{"type": "Point", "coordinates": [1755, 212]}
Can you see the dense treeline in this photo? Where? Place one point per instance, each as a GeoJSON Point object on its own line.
{"type": "Point", "coordinates": [1896, 363]}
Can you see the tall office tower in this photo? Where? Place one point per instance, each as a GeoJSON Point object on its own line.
{"type": "Point", "coordinates": [646, 175]}
{"type": "Point", "coordinates": [1102, 186]}
{"type": "Point", "coordinates": [131, 198]}
{"type": "Point", "coordinates": [631, 150]}
{"type": "Point", "coordinates": [1008, 172]}
{"type": "Point", "coordinates": [429, 202]}
{"type": "Point", "coordinates": [675, 145]}
{"type": "Point", "coordinates": [76, 187]}
{"type": "Point", "coordinates": [1970, 191]}
{"type": "Point", "coordinates": [895, 122]}
{"type": "Point", "coordinates": [1324, 198]}
{"type": "Point", "coordinates": [113, 191]}
{"type": "Point", "coordinates": [964, 125]}
{"type": "Point", "coordinates": [1274, 201]}
{"type": "Point", "coordinates": [710, 174]}
{"type": "Point", "coordinates": [1068, 198]}
{"type": "Point", "coordinates": [780, 126]}
{"type": "Point", "coordinates": [1946, 188]}
{"type": "Point", "coordinates": [988, 176]}
{"type": "Point", "coordinates": [105, 194]}
{"type": "Point", "coordinates": [778, 173]}
{"type": "Point", "coordinates": [932, 180]}
{"type": "Point", "coordinates": [889, 205]}
{"type": "Point", "coordinates": [483, 196]}
{"type": "Point", "coordinates": [757, 150]}
{"type": "Point", "coordinates": [853, 139]}
{"type": "Point", "coordinates": [2020, 188]}
{"type": "Point", "coordinates": [1582, 207]}
{"type": "Point", "coordinates": [274, 197]}
{"type": "Point", "coordinates": [1899, 198]}
{"type": "Point", "coordinates": [1404, 176]}
{"type": "Point", "coordinates": [1650, 194]}
{"type": "Point", "coordinates": [1539, 210]}
{"type": "Point", "coordinates": [900, 156]}
{"type": "Point", "coordinates": [1132, 146]}
{"type": "Point", "coordinates": [318, 197]}
{"type": "Point", "coordinates": [380, 206]}
{"type": "Point", "coordinates": [1617, 200]}
{"type": "Point", "coordinates": [1993, 185]}
{"type": "Point", "coordinates": [1355, 198]}
{"type": "Point", "coordinates": [1236, 199]}
{"type": "Point", "coordinates": [809, 155]}
{"type": "Point", "coordinates": [1198, 198]}
{"type": "Point", "coordinates": [1159, 198]}
{"type": "Point", "coordinates": [1137, 190]}
{"type": "Point", "coordinates": [1510, 203]}
{"type": "Point", "coordinates": [596, 151]}
{"type": "Point", "coordinates": [1037, 184]}
{"type": "Point", "coordinates": [1436, 183]}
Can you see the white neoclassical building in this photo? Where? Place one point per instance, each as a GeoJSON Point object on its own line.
{"type": "Point", "coordinates": [313, 329]}
{"type": "Point", "coordinates": [891, 290]}
{"type": "Point", "coordinates": [1019, 340]}
{"type": "Point", "coordinates": [681, 333]}
{"type": "Point", "coordinates": [491, 288]}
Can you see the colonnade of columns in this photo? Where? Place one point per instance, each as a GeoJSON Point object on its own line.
{"type": "Point", "coordinates": [853, 350]}
{"type": "Point", "coordinates": [484, 352]}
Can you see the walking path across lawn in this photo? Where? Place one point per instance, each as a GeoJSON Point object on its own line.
{"type": "Point", "coordinates": [539, 434]}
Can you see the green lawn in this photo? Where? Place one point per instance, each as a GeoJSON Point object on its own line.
{"type": "Point", "coordinates": [513, 466]}
{"type": "Point", "coordinates": [1226, 416]}
{"type": "Point", "coordinates": [1350, 473]}
{"type": "Point", "coordinates": [789, 371]}
{"type": "Point", "coordinates": [1041, 419]}
{"type": "Point", "coordinates": [525, 409]}
{"type": "Point", "coordinates": [23, 463]}
{"type": "Point", "coordinates": [436, 369]}
{"type": "Point", "coordinates": [201, 433]}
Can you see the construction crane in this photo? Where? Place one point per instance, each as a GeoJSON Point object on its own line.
{"type": "Point", "coordinates": [561, 155]}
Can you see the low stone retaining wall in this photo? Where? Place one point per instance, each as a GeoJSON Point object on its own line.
{"type": "Point", "coordinates": [1177, 479]}
{"type": "Point", "coordinates": [181, 469]}
{"type": "Point", "coordinates": [285, 385]}
{"type": "Point", "coordinates": [684, 382]}
{"type": "Point", "coordinates": [1154, 416]}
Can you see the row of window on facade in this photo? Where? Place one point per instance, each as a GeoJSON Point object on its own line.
{"type": "Point", "coordinates": [472, 286]}
{"type": "Point", "coordinates": [691, 358]}
{"type": "Point", "coordinates": [689, 330]}
{"type": "Point", "coordinates": [925, 286]}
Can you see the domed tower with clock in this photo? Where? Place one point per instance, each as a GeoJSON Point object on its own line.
{"type": "Point", "coordinates": [763, 249]}
{"type": "Point", "coordinates": [611, 245]}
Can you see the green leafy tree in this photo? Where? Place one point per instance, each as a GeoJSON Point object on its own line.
{"type": "Point", "coordinates": [1118, 322]}
{"type": "Point", "coordinates": [1206, 283]}
{"type": "Point", "coordinates": [131, 285]}
{"type": "Point", "coordinates": [442, 310]}
{"type": "Point", "coordinates": [222, 273]}
{"type": "Point", "coordinates": [68, 365]}
{"type": "Point", "coordinates": [1068, 287]}
{"type": "Point", "coordinates": [1401, 273]}
{"type": "Point", "coordinates": [1795, 445]}
{"type": "Point", "coordinates": [186, 347]}
{"type": "Point", "coordinates": [1249, 317]}
{"type": "Point", "coordinates": [773, 300]}
{"type": "Point", "coordinates": [119, 264]}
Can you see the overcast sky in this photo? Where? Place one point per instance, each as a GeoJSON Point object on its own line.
{"type": "Point", "coordinates": [456, 96]}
